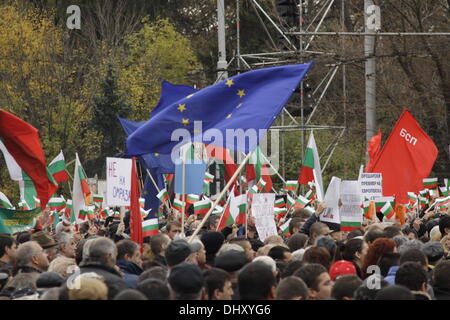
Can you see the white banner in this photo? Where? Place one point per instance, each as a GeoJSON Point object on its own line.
{"type": "Point", "coordinates": [371, 185]}
{"type": "Point", "coordinates": [351, 202]}
{"type": "Point", "coordinates": [263, 211]}
{"type": "Point", "coordinates": [331, 213]}
{"type": "Point", "coordinates": [118, 182]}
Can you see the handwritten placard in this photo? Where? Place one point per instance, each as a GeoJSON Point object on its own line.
{"type": "Point", "coordinates": [118, 181]}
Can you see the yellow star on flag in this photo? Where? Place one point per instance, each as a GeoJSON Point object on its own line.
{"type": "Point", "coordinates": [185, 122]}
{"type": "Point", "coordinates": [156, 154]}
{"type": "Point", "coordinates": [229, 116]}
{"type": "Point", "coordinates": [181, 107]}
{"type": "Point", "coordinates": [241, 93]}
{"type": "Point", "coordinates": [229, 83]}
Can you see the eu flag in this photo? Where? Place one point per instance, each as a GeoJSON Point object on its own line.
{"type": "Point", "coordinates": [248, 101]}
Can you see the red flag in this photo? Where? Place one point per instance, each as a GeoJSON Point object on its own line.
{"type": "Point", "coordinates": [406, 158]}
{"type": "Point", "coordinates": [250, 173]}
{"type": "Point", "coordinates": [229, 165]}
{"type": "Point", "coordinates": [135, 211]}
{"type": "Point", "coordinates": [23, 143]}
{"type": "Point", "coordinates": [266, 177]}
{"type": "Point", "coordinates": [373, 149]}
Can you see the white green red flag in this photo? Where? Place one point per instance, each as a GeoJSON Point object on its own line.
{"type": "Point", "coordinates": [4, 201]}
{"type": "Point", "coordinates": [444, 191]}
{"type": "Point", "coordinates": [142, 203]}
{"type": "Point", "coordinates": [57, 168]}
{"type": "Point", "coordinates": [144, 212]}
{"type": "Point", "coordinates": [23, 205]}
{"type": "Point", "coordinates": [290, 202]}
{"type": "Point", "coordinates": [217, 210]}
{"type": "Point", "coordinates": [150, 227]}
{"type": "Point", "coordinates": [381, 201]}
{"type": "Point", "coordinates": [387, 210]}
{"type": "Point", "coordinates": [350, 225]}
{"type": "Point", "coordinates": [442, 201]}
{"type": "Point", "coordinates": [260, 185]}
{"type": "Point", "coordinates": [423, 201]}
{"type": "Point", "coordinates": [202, 207]}
{"type": "Point", "coordinates": [178, 205]}
{"type": "Point", "coordinates": [430, 183]}
{"type": "Point", "coordinates": [238, 208]}
{"type": "Point", "coordinates": [163, 196]}
{"type": "Point", "coordinates": [285, 228]}
{"type": "Point", "coordinates": [56, 203]}
{"type": "Point", "coordinates": [310, 195]}
{"type": "Point", "coordinates": [280, 203]}
{"type": "Point", "coordinates": [412, 197]}
{"type": "Point", "coordinates": [301, 202]}
{"type": "Point", "coordinates": [81, 192]}
{"type": "Point", "coordinates": [226, 219]}
{"type": "Point", "coordinates": [98, 200]}
{"type": "Point", "coordinates": [37, 202]}
{"type": "Point", "coordinates": [280, 212]}
{"type": "Point", "coordinates": [192, 198]}
{"type": "Point", "coordinates": [310, 170]}
{"type": "Point", "coordinates": [209, 178]}
{"type": "Point", "coordinates": [291, 185]}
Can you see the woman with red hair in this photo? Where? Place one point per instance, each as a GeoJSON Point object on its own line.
{"type": "Point", "coordinates": [376, 249]}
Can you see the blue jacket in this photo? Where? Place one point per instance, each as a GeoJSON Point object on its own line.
{"type": "Point", "coordinates": [131, 273]}
{"type": "Point", "coordinates": [391, 274]}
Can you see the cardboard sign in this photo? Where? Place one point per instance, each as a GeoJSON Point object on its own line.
{"type": "Point", "coordinates": [371, 185]}
{"type": "Point", "coordinates": [263, 211]}
{"type": "Point", "coordinates": [350, 211]}
{"type": "Point", "coordinates": [118, 182]}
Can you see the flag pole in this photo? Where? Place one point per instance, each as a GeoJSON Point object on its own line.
{"type": "Point", "coordinates": [230, 182]}
{"type": "Point", "coordinates": [156, 186]}
{"type": "Point", "coordinates": [184, 195]}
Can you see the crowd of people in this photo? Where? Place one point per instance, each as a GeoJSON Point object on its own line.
{"type": "Point", "coordinates": [97, 260]}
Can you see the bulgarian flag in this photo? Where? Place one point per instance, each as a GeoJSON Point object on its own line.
{"type": "Point", "coordinates": [261, 184]}
{"type": "Point", "coordinates": [285, 228]}
{"type": "Point", "coordinates": [350, 225]}
{"type": "Point", "coordinates": [37, 202]}
{"type": "Point", "coordinates": [23, 205]}
{"type": "Point", "coordinates": [381, 201]}
{"type": "Point", "coordinates": [142, 202]}
{"type": "Point", "coordinates": [68, 211]}
{"type": "Point", "coordinates": [310, 195]}
{"type": "Point", "coordinates": [81, 192]}
{"type": "Point", "coordinates": [443, 201]}
{"type": "Point", "coordinates": [56, 203]}
{"type": "Point", "coordinates": [209, 178]}
{"type": "Point", "coordinates": [168, 178]}
{"type": "Point", "coordinates": [192, 198]}
{"type": "Point", "coordinates": [424, 193]}
{"type": "Point", "coordinates": [226, 219]}
{"type": "Point", "coordinates": [91, 212]}
{"type": "Point", "coordinates": [23, 146]}
{"type": "Point", "coordinates": [280, 212]}
{"type": "Point", "coordinates": [163, 196]}
{"type": "Point", "coordinates": [310, 169]}
{"type": "Point", "coordinates": [178, 205]}
{"type": "Point", "coordinates": [161, 210]}
{"type": "Point", "coordinates": [423, 201]}
{"type": "Point", "coordinates": [82, 214]}
{"type": "Point", "coordinates": [301, 202]}
{"type": "Point", "coordinates": [387, 210]}
{"type": "Point", "coordinates": [412, 197]}
{"type": "Point", "coordinates": [238, 208]}
{"type": "Point", "coordinates": [217, 210]}
{"type": "Point", "coordinates": [4, 201]}
{"type": "Point", "coordinates": [290, 202]}
{"type": "Point", "coordinates": [98, 200]}
{"type": "Point", "coordinates": [57, 168]}
{"type": "Point", "coordinates": [280, 203]}
{"type": "Point", "coordinates": [430, 183]}
{"type": "Point", "coordinates": [444, 191]}
{"type": "Point", "coordinates": [150, 227]}
{"type": "Point", "coordinates": [202, 207]}
{"type": "Point", "coordinates": [144, 212]}
{"type": "Point", "coordinates": [291, 185]}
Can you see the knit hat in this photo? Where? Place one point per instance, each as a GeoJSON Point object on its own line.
{"type": "Point", "coordinates": [212, 241]}
{"type": "Point", "coordinates": [186, 278]}
{"type": "Point", "coordinates": [340, 268]}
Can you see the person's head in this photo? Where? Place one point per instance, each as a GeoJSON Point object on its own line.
{"type": "Point", "coordinates": [370, 287]}
{"type": "Point", "coordinates": [292, 288]}
{"type": "Point", "coordinates": [291, 267]}
{"type": "Point", "coordinates": [318, 255]}
{"type": "Point", "coordinates": [434, 252]}
{"type": "Point", "coordinates": [279, 253]}
{"type": "Point", "coordinates": [414, 255]}
{"type": "Point", "coordinates": [7, 248]}
{"type": "Point", "coordinates": [89, 289]}
{"type": "Point", "coordinates": [231, 261]}
{"type": "Point", "coordinates": [317, 280]}
{"type": "Point", "coordinates": [48, 280]}
{"type": "Point", "coordinates": [318, 229]}
{"type": "Point", "coordinates": [373, 234]}
{"type": "Point", "coordinates": [186, 281]}
{"type": "Point", "coordinates": [345, 286]}
{"type": "Point", "coordinates": [130, 294]}
{"type": "Point", "coordinates": [62, 265]}
{"type": "Point", "coordinates": [444, 225]}
{"type": "Point", "coordinates": [355, 250]}
{"type": "Point", "coordinates": [400, 240]}
{"type": "Point", "coordinates": [441, 275]}
{"type": "Point", "coordinates": [355, 233]}
{"type": "Point", "coordinates": [413, 276]}
{"type": "Point", "coordinates": [156, 272]}
{"type": "Point", "coordinates": [297, 241]}
{"type": "Point", "coordinates": [173, 228]}
{"type": "Point", "coordinates": [31, 254]}
{"type": "Point", "coordinates": [212, 222]}
{"type": "Point", "coordinates": [217, 284]}
{"type": "Point", "coordinates": [388, 260]}
{"type": "Point", "coordinates": [66, 244]}
{"type": "Point", "coordinates": [376, 250]}
{"type": "Point", "coordinates": [392, 231]}
{"type": "Point", "coordinates": [330, 245]}
{"type": "Point", "coordinates": [179, 251]}
{"type": "Point", "coordinates": [159, 243]}
{"type": "Point", "coordinates": [212, 241]}
{"type": "Point", "coordinates": [394, 293]}
{"type": "Point", "coordinates": [301, 214]}
{"type": "Point", "coordinates": [445, 242]}
{"type": "Point", "coordinates": [410, 244]}
{"type": "Point", "coordinates": [100, 250]}
{"type": "Point", "coordinates": [295, 225]}
{"type": "Point", "coordinates": [154, 289]}
{"type": "Point", "coordinates": [256, 281]}
{"type": "Point", "coordinates": [246, 245]}
{"type": "Point", "coordinates": [129, 250]}
{"type": "Point", "coordinates": [269, 261]}
{"type": "Point", "coordinates": [200, 253]}
{"type": "Point", "coordinates": [341, 268]}
{"type": "Point", "coordinates": [409, 232]}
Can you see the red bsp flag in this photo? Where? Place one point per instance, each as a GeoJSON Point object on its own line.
{"type": "Point", "coordinates": [406, 159]}
{"type": "Point", "coordinates": [373, 149]}
{"type": "Point", "coordinates": [23, 143]}
{"type": "Point", "coordinates": [135, 212]}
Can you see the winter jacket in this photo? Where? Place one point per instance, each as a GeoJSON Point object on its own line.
{"type": "Point", "coordinates": [390, 278]}
{"type": "Point", "coordinates": [131, 273]}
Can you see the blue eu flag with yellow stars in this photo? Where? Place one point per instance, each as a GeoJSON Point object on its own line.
{"type": "Point", "coordinates": [217, 115]}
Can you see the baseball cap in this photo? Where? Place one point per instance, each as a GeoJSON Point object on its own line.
{"type": "Point", "coordinates": [178, 250]}
{"type": "Point", "coordinates": [340, 268]}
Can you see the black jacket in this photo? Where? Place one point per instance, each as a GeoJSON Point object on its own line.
{"type": "Point", "coordinates": [111, 277]}
{"type": "Point", "coordinates": [441, 293]}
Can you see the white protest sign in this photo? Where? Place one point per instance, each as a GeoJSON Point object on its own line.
{"type": "Point", "coordinates": [371, 185]}
{"type": "Point", "coordinates": [263, 211]}
{"type": "Point", "coordinates": [331, 213]}
{"type": "Point", "coordinates": [350, 211]}
{"type": "Point", "coordinates": [118, 182]}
